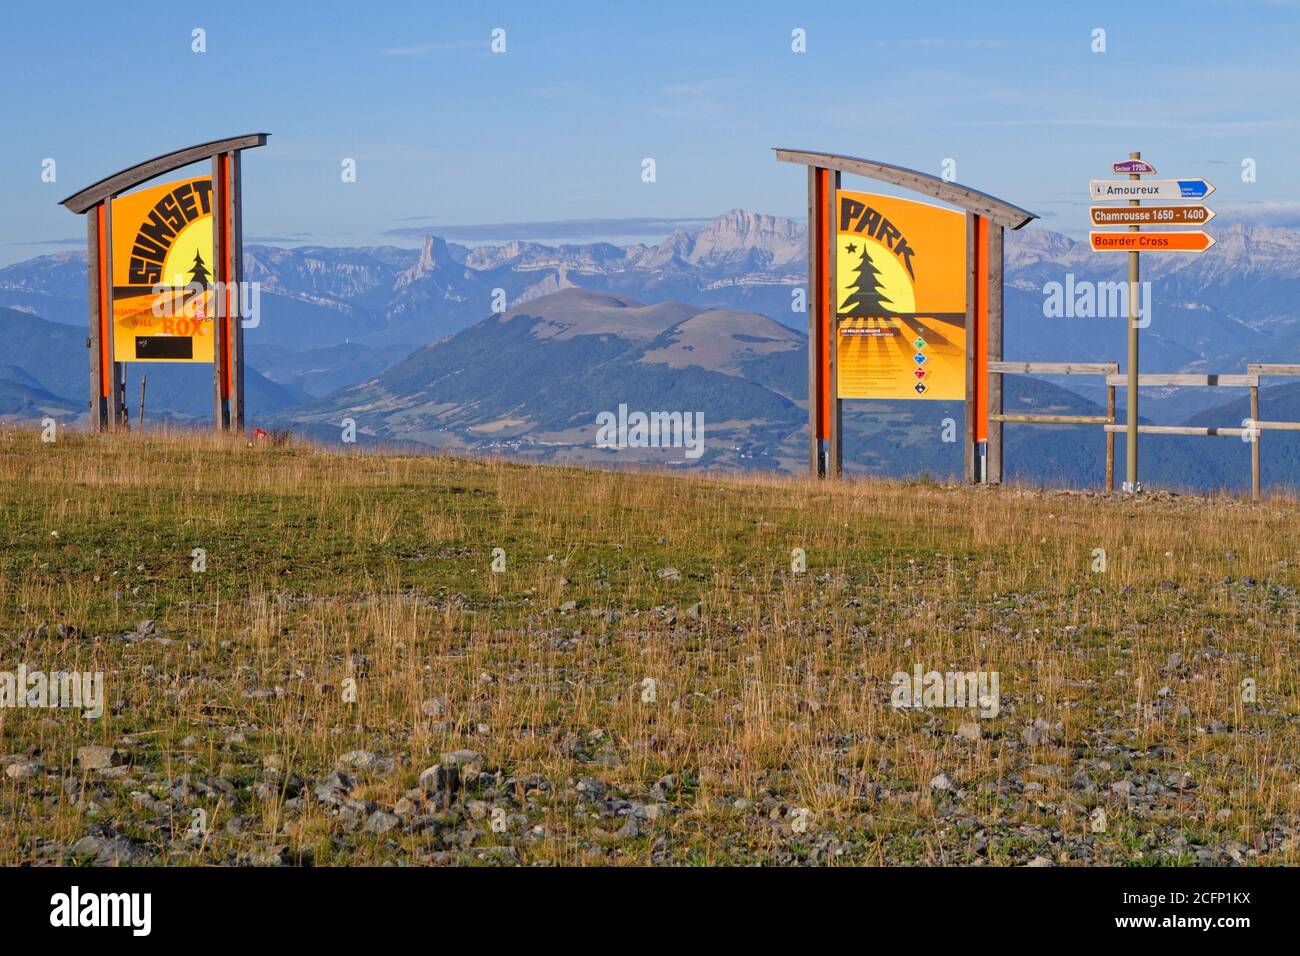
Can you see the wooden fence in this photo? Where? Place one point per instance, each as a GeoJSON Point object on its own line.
{"type": "Point", "coordinates": [1110, 371]}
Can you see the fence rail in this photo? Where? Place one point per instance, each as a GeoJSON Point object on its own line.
{"type": "Point", "coordinates": [1110, 372]}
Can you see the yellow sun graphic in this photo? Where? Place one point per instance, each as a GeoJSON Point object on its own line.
{"type": "Point", "coordinates": [178, 270]}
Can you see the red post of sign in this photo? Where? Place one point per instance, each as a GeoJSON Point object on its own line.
{"type": "Point", "coordinates": [824, 417]}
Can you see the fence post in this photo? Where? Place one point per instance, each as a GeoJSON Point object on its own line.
{"type": "Point", "coordinates": [1110, 439]}
{"type": "Point", "coordinates": [1254, 444]}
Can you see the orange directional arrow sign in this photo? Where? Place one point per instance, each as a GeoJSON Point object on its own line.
{"type": "Point", "coordinates": [1194, 241]}
{"type": "Point", "coordinates": [1150, 215]}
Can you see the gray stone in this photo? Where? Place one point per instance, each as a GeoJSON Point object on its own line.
{"type": "Point", "coordinates": [1037, 733]}
{"type": "Point", "coordinates": [334, 788]}
{"type": "Point", "coordinates": [943, 782]}
{"type": "Point", "coordinates": [358, 760]}
{"type": "Point", "coordinates": [438, 778]}
{"type": "Point", "coordinates": [109, 848]}
{"type": "Point", "coordinates": [381, 821]}
{"type": "Point", "coordinates": [98, 758]}
{"type": "Point", "coordinates": [468, 762]}
{"type": "Point", "coordinates": [22, 769]}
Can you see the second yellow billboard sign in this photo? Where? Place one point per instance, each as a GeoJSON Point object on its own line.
{"type": "Point", "coordinates": [162, 254]}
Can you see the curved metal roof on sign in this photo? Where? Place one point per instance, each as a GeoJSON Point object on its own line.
{"type": "Point", "coordinates": [972, 200]}
{"type": "Point", "coordinates": [118, 183]}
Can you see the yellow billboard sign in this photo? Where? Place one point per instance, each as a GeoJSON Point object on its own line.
{"type": "Point", "coordinates": [900, 270]}
{"type": "Point", "coordinates": [162, 255]}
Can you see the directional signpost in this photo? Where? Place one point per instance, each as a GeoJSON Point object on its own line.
{"type": "Point", "coordinates": [1150, 241]}
{"type": "Point", "coordinates": [1111, 190]}
{"type": "Point", "coordinates": [1151, 215]}
{"type": "Point", "coordinates": [1134, 241]}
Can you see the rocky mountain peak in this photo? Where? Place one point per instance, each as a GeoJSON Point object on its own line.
{"type": "Point", "coordinates": [740, 234]}
{"type": "Point", "coordinates": [434, 255]}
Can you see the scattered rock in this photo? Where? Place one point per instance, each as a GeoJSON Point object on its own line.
{"type": "Point", "coordinates": [381, 821]}
{"type": "Point", "coordinates": [106, 847]}
{"type": "Point", "coordinates": [1039, 732]}
{"type": "Point", "coordinates": [367, 762]}
{"type": "Point", "coordinates": [438, 779]}
{"type": "Point", "coordinates": [943, 783]}
{"type": "Point", "coordinates": [468, 762]}
{"type": "Point", "coordinates": [22, 769]}
{"type": "Point", "coordinates": [334, 788]}
{"type": "Point", "coordinates": [98, 758]}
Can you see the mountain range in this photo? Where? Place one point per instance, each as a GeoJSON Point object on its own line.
{"type": "Point", "coordinates": [414, 346]}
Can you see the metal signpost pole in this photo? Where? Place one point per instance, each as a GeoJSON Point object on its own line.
{"type": "Point", "coordinates": [1131, 449]}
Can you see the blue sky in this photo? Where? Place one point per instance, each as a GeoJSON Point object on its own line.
{"type": "Point", "coordinates": [447, 133]}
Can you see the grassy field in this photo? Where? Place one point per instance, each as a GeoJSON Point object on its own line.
{"type": "Point", "coordinates": [650, 679]}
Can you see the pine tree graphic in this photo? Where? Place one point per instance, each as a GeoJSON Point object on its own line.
{"type": "Point", "coordinates": [199, 272]}
{"type": "Point", "coordinates": [866, 301]}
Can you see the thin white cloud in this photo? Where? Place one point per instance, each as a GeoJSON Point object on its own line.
{"type": "Point", "coordinates": [1267, 213]}
{"type": "Point", "coordinates": [424, 49]}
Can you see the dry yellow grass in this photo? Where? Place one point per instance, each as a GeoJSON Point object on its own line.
{"type": "Point", "coordinates": [327, 571]}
